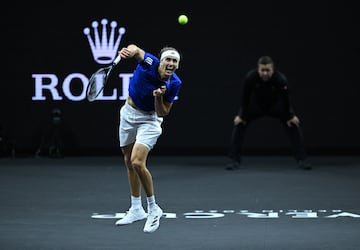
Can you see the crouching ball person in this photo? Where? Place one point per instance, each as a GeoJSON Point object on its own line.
{"type": "Point", "coordinates": [152, 91]}
{"type": "Point", "coordinates": [265, 92]}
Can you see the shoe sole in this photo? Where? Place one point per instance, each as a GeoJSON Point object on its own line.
{"type": "Point", "coordinates": [123, 224]}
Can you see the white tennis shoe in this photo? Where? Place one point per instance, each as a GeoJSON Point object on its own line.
{"type": "Point", "coordinates": [131, 216]}
{"type": "Point", "coordinates": [153, 220]}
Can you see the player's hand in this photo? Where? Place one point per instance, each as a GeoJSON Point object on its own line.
{"type": "Point", "coordinates": [125, 53]}
{"type": "Point", "coordinates": [238, 120]}
{"type": "Point", "coordinates": [293, 121]}
{"type": "Point", "coordinates": [159, 91]}
{"type": "Point", "coordinates": [128, 52]}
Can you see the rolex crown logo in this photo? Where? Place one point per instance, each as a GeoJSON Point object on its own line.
{"type": "Point", "coordinates": [104, 46]}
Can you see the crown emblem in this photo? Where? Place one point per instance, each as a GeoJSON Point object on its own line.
{"type": "Point", "coordinates": [104, 47]}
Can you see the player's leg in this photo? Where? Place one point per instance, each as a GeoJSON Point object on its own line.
{"type": "Point", "coordinates": [136, 211]}
{"type": "Point", "coordinates": [138, 160]}
{"type": "Point", "coordinates": [127, 137]}
{"type": "Point", "coordinates": [149, 131]}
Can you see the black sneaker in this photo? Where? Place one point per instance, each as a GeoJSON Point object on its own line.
{"type": "Point", "coordinates": [302, 164]}
{"type": "Point", "coordinates": [233, 166]}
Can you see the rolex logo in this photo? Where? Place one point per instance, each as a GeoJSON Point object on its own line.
{"type": "Point", "coordinates": [104, 46]}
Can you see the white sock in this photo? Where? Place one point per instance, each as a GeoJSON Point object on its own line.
{"type": "Point", "coordinates": [136, 202]}
{"type": "Point", "coordinates": [151, 202]}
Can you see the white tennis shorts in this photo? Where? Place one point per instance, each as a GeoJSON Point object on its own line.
{"type": "Point", "coordinates": [139, 126]}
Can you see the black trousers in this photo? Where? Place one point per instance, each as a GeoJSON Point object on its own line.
{"type": "Point", "coordinates": [294, 133]}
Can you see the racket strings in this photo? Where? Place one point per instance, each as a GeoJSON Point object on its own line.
{"type": "Point", "coordinates": [96, 83]}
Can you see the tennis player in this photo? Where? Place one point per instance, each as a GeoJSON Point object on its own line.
{"type": "Point", "coordinates": [152, 91]}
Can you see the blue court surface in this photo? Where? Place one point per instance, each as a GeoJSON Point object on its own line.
{"type": "Point", "coordinates": [72, 203]}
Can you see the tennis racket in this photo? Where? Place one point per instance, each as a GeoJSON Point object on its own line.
{"type": "Point", "coordinates": [98, 80]}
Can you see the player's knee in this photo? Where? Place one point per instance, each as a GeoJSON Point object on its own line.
{"type": "Point", "coordinates": [137, 165]}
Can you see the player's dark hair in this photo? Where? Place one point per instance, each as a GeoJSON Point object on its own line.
{"type": "Point", "coordinates": [265, 60]}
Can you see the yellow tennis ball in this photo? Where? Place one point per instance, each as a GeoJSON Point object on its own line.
{"type": "Point", "coordinates": [183, 19]}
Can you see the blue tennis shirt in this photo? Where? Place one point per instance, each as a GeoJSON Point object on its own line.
{"type": "Point", "coordinates": [146, 78]}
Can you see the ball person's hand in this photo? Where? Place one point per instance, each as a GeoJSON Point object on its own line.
{"type": "Point", "coordinates": [293, 121]}
{"type": "Point", "coordinates": [238, 120]}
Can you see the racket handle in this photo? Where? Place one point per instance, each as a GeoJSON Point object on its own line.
{"type": "Point", "coordinates": [117, 60]}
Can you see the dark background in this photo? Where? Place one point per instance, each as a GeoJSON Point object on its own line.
{"type": "Point", "coordinates": [315, 44]}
